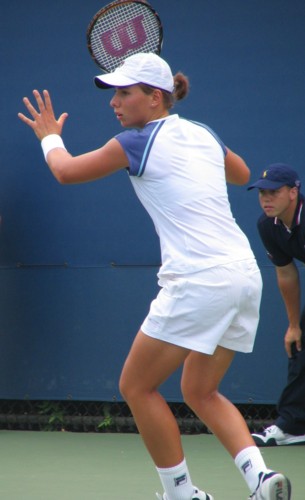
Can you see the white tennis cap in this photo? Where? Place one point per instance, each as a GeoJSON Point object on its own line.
{"type": "Point", "coordinates": [139, 68]}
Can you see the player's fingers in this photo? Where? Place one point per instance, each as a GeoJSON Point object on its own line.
{"type": "Point", "coordinates": [25, 119]}
{"type": "Point", "coordinates": [48, 102]}
{"type": "Point", "coordinates": [29, 106]}
{"type": "Point", "coordinates": [62, 119]}
{"type": "Point", "coordinates": [40, 102]}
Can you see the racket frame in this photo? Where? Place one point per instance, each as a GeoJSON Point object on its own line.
{"type": "Point", "coordinates": [102, 12]}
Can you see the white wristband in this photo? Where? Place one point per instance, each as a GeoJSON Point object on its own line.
{"type": "Point", "coordinates": [51, 141]}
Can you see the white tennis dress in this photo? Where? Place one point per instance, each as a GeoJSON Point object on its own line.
{"type": "Point", "coordinates": [177, 169]}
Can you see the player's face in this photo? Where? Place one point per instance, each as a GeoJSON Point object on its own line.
{"type": "Point", "coordinates": [277, 202]}
{"type": "Point", "coordinates": [133, 108]}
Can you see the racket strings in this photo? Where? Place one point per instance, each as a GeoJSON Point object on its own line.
{"type": "Point", "coordinates": [122, 31]}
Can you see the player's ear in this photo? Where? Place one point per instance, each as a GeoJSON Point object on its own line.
{"type": "Point", "coordinates": [156, 97]}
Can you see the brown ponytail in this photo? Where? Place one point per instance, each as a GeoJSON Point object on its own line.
{"type": "Point", "coordinates": [182, 85]}
{"type": "Point", "coordinates": [181, 89]}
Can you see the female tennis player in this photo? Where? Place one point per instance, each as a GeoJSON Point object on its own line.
{"type": "Point", "coordinates": [208, 304]}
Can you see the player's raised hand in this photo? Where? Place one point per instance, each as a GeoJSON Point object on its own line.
{"type": "Point", "coordinates": [43, 120]}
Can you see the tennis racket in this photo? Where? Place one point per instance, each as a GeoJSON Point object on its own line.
{"type": "Point", "coordinates": [121, 29]}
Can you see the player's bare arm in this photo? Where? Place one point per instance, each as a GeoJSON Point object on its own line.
{"type": "Point", "coordinates": [87, 167]}
{"type": "Point", "coordinates": [66, 168]}
{"type": "Point", "coordinates": [237, 171]}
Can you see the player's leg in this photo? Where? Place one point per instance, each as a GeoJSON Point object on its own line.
{"type": "Point", "coordinates": [201, 377]}
{"type": "Point", "coordinates": [148, 365]}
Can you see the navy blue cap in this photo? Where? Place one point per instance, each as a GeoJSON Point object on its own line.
{"type": "Point", "coordinates": [276, 176]}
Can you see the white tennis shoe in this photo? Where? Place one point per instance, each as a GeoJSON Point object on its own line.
{"type": "Point", "coordinates": [198, 495]}
{"type": "Point", "coordinates": [272, 486]}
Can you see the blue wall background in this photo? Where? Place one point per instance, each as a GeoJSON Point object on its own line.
{"type": "Point", "coordinates": [78, 264]}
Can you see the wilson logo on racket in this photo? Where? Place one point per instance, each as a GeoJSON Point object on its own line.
{"type": "Point", "coordinates": [121, 29]}
{"type": "Point", "coordinates": [125, 37]}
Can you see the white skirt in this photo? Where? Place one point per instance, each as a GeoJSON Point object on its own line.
{"type": "Point", "coordinates": [217, 306]}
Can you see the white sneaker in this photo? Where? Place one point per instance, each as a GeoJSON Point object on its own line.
{"type": "Point", "coordinates": [198, 495]}
{"type": "Point", "coordinates": [274, 436]}
{"type": "Point", "coordinates": [201, 495]}
{"type": "Point", "coordinates": [272, 486]}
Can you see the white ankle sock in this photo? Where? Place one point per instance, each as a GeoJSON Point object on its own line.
{"type": "Point", "coordinates": [176, 482]}
{"type": "Point", "coordinates": [250, 463]}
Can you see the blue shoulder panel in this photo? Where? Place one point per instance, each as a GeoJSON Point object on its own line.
{"type": "Point", "coordinates": [137, 145]}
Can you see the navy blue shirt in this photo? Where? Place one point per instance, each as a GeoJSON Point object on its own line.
{"type": "Point", "coordinates": [282, 244]}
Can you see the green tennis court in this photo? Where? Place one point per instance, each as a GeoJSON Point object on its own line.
{"type": "Point", "coordinates": [80, 466]}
